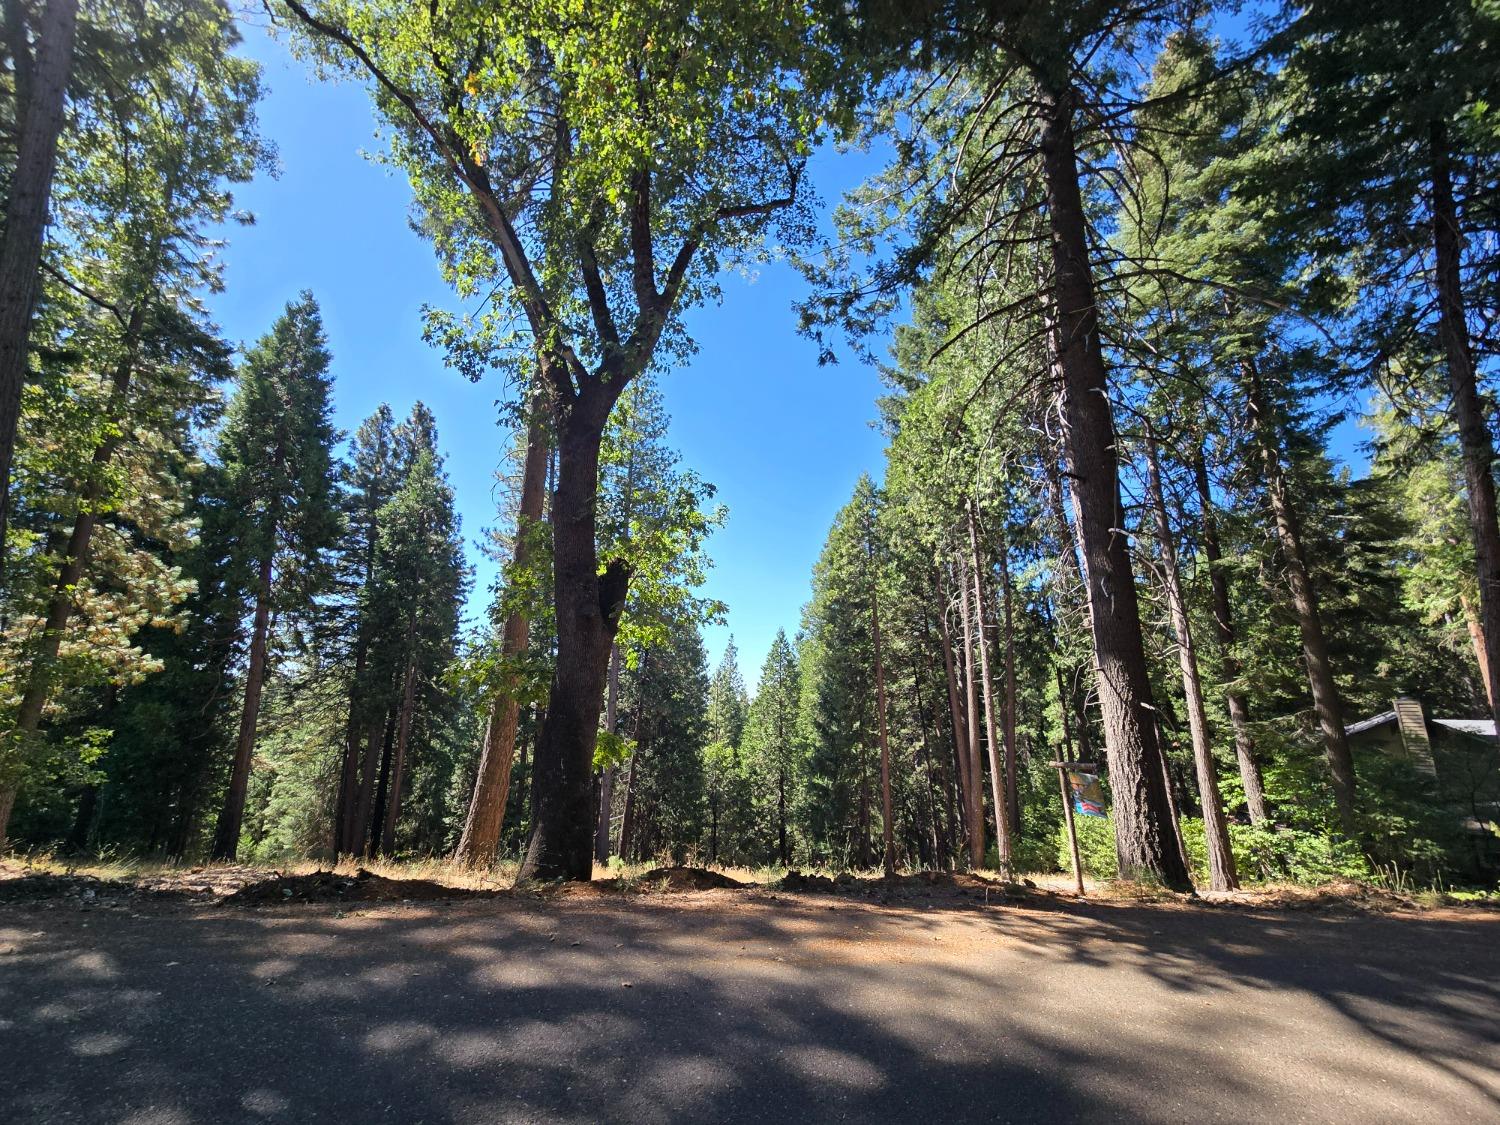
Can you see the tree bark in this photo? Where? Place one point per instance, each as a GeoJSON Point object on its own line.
{"type": "Point", "coordinates": [348, 828]}
{"type": "Point", "coordinates": [227, 833]}
{"type": "Point", "coordinates": [956, 716]}
{"type": "Point", "coordinates": [974, 807]}
{"type": "Point", "coordinates": [887, 825]}
{"type": "Point", "coordinates": [1145, 836]}
{"type": "Point", "coordinates": [1476, 640]}
{"type": "Point", "coordinates": [7, 804]}
{"type": "Point", "coordinates": [607, 775]}
{"type": "Point", "coordinates": [1071, 587]}
{"type": "Point", "coordinates": [41, 92]}
{"type": "Point", "coordinates": [992, 741]}
{"type": "Point", "coordinates": [387, 741]}
{"type": "Point", "coordinates": [364, 804]}
{"type": "Point", "coordinates": [941, 846]}
{"type": "Point", "coordinates": [479, 845]}
{"type": "Point", "coordinates": [1468, 409]}
{"type": "Point", "coordinates": [588, 606]}
{"type": "Point", "coordinates": [392, 811]}
{"type": "Point", "coordinates": [1008, 716]}
{"type": "Point", "coordinates": [627, 821]}
{"type": "Point", "coordinates": [863, 851]}
{"type": "Point", "coordinates": [1221, 873]}
{"type": "Point", "coordinates": [347, 804]}
{"type": "Point", "coordinates": [1229, 665]}
{"type": "Point", "coordinates": [1327, 703]}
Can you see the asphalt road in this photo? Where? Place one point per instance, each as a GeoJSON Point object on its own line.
{"type": "Point", "coordinates": [712, 1008]}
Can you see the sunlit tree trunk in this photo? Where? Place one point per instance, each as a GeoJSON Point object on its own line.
{"type": "Point", "coordinates": [1008, 716]}
{"type": "Point", "coordinates": [1221, 873]}
{"type": "Point", "coordinates": [887, 817]}
{"type": "Point", "coordinates": [1234, 698]}
{"type": "Point", "coordinates": [992, 741]}
{"type": "Point", "coordinates": [1474, 435]}
{"type": "Point", "coordinates": [974, 803]}
{"type": "Point", "coordinates": [1145, 836]}
{"type": "Point", "coordinates": [959, 817]}
{"type": "Point", "coordinates": [479, 844]}
{"type": "Point", "coordinates": [588, 605]}
{"type": "Point", "coordinates": [40, 86]}
{"type": "Point", "coordinates": [1327, 703]}
{"type": "Point", "coordinates": [227, 833]}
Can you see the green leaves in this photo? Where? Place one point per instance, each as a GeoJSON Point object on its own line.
{"type": "Point", "coordinates": [612, 750]}
{"type": "Point", "coordinates": [594, 146]}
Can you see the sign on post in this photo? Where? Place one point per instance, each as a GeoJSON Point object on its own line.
{"type": "Point", "coordinates": [1081, 793]}
{"type": "Point", "coordinates": [1087, 793]}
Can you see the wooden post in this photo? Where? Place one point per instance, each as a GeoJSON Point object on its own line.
{"type": "Point", "coordinates": [1067, 800]}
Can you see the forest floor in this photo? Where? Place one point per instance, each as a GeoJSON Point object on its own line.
{"type": "Point", "coordinates": [176, 996]}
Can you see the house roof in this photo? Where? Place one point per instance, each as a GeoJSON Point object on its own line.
{"type": "Point", "coordinates": [1484, 728]}
{"type": "Point", "coordinates": [1478, 728]}
{"type": "Point", "coordinates": [1371, 723]}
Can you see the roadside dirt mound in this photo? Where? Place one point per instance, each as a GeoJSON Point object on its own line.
{"type": "Point", "coordinates": [921, 884]}
{"type": "Point", "coordinates": [813, 884]}
{"type": "Point", "coordinates": [362, 886]}
{"type": "Point", "coordinates": [84, 889]}
{"type": "Point", "coordinates": [688, 879]}
{"type": "Point", "coordinates": [1343, 895]}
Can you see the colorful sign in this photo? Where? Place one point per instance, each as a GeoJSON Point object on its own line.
{"type": "Point", "coordinates": [1087, 793]}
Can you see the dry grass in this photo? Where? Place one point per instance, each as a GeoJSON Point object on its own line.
{"type": "Point", "coordinates": [226, 878]}
{"type": "Point", "coordinates": [436, 870]}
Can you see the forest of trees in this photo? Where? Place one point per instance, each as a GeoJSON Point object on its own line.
{"type": "Point", "coordinates": [1129, 273]}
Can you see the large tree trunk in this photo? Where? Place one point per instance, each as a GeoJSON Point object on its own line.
{"type": "Point", "coordinates": [1229, 665]}
{"type": "Point", "coordinates": [392, 811]}
{"type": "Point", "coordinates": [607, 776]}
{"type": "Point", "coordinates": [956, 717]}
{"type": "Point", "coordinates": [348, 827]}
{"type": "Point", "coordinates": [1008, 716]}
{"type": "Point", "coordinates": [1477, 642]}
{"type": "Point", "coordinates": [992, 741]}
{"type": "Point", "coordinates": [227, 833]}
{"type": "Point", "coordinates": [364, 802]}
{"type": "Point", "coordinates": [41, 93]}
{"type": "Point", "coordinates": [1468, 410]}
{"type": "Point", "coordinates": [974, 804]}
{"type": "Point", "coordinates": [588, 607]}
{"type": "Point", "coordinates": [941, 844]}
{"type": "Point", "coordinates": [1070, 586]}
{"type": "Point", "coordinates": [863, 851]}
{"type": "Point", "coordinates": [1145, 836]}
{"type": "Point", "coordinates": [627, 820]}
{"type": "Point", "coordinates": [387, 741]}
{"type": "Point", "coordinates": [887, 819]}
{"type": "Point", "coordinates": [347, 804]}
{"type": "Point", "coordinates": [1221, 873]}
{"type": "Point", "coordinates": [480, 842]}
{"type": "Point", "coordinates": [7, 804]}
{"type": "Point", "coordinates": [1327, 703]}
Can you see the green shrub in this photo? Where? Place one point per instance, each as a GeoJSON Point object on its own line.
{"type": "Point", "coordinates": [1096, 847]}
{"type": "Point", "coordinates": [1261, 854]}
{"type": "Point", "coordinates": [1264, 853]}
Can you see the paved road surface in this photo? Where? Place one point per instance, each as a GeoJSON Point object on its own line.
{"type": "Point", "coordinates": [713, 1007]}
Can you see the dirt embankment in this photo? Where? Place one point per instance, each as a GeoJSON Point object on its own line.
{"type": "Point", "coordinates": [251, 887]}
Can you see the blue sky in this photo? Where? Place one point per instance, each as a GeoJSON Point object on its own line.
{"type": "Point", "coordinates": [783, 439]}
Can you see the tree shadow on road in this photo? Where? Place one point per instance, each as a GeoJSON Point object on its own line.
{"type": "Point", "coordinates": [798, 1009]}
